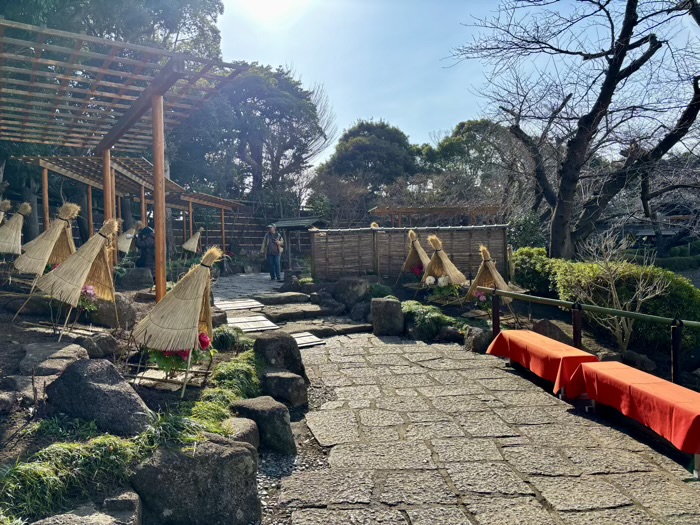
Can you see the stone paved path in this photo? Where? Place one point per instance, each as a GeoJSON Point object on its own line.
{"type": "Point", "coordinates": [432, 435]}
{"type": "Point", "coordinates": [243, 285]}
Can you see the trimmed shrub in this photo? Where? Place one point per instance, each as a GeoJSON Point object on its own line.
{"type": "Point", "coordinates": [535, 271]}
{"type": "Point", "coordinates": [379, 290]}
{"type": "Point", "coordinates": [526, 230]}
{"type": "Point", "coordinates": [428, 319]}
{"type": "Point", "coordinates": [227, 338]}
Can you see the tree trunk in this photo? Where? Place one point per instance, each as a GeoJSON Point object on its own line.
{"type": "Point", "coordinates": [31, 223]}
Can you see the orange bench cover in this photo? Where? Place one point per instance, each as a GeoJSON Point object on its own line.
{"type": "Point", "coordinates": [545, 357]}
{"type": "Point", "coordinates": [670, 410]}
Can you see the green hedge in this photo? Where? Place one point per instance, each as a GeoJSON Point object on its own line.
{"type": "Point", "coordinates": [675, 264]}
{"type": "Point", "coordinates": [556, 277]}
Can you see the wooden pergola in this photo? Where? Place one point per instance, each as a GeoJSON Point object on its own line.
{"type": "Point", "coordinates": [98, 95]}
{"type": "Point", "coordinates": [399, 212]}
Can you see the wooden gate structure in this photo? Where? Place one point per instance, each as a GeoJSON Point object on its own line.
{"type": "Point", "coordinates": [339, 253]}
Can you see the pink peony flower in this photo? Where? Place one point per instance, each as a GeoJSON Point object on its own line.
{"type": "Point", "coordinates": [482, 298]}
{"type": "Point", "coordinates": [204, 341]}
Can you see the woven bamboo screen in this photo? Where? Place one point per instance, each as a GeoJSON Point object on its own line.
{"type": "Point", "coordinates": [351, 252]}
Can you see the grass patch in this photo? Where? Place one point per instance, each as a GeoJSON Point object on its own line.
{"type": "Point", "coordinates": [428, 319]}
{"type": "Point", "coordinates": [241, 375]}
{"type": "Point", "coordinates": [228, 339]}
{"type": "Point", "coordinates": [63, 429]}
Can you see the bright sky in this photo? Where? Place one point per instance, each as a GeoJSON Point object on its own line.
{"type": "Point", "coordinates": [381, 59]}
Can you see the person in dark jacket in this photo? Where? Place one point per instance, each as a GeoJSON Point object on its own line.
{"type": "Point", "coordinates": [146, 243]}
{"type": "Point", "coordinates": [272, 248]}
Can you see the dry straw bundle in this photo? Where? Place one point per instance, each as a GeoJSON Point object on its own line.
{"type": "Point", "coordinates": [89, 266]}
{"type": "Point", "coordinates": [488, 276]}
{"type": "Point", "coordinates": [5, 206]}
{"type": "Point", "coordinates": [374, 225]}
{"type": "Point", "coordinates": [11, 231]}
{"type": "Point", "coordinates": [416, 254]}
{"type": "Point", "coordinates": [126, 240]}
{"type": "Point", "coordinates": [192, 244]}
{"type": "Point", "coordinates": [177, 320]}
{"type": "Point", "coordinates": [440, 264]}
{"type": "Point", "coordinates": [53, 246]}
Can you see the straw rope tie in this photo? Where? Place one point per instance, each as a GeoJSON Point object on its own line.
{"type": "Point", "coordinates": [102, 235]}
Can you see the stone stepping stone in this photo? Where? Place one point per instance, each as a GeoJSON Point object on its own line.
{"type": "Point", "coordinates": [255, 323]}
{"type": "Point", "coordinates": [306, 340]}
{"type": "Point", "coordinates": [239, 304]}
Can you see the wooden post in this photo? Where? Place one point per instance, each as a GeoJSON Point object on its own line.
{"type": "Point", "coordinates": [496, 313]}
{"type": "Point", "coordinates": [144, 207]}
{"type": "Point", "coordinates": [159, 192]}
{"type": "Point", "coordinates": [223, 230]}
{"type": "Point", "coordinates": [676, 340]}
{"type": "Point", "coordinates": [107, 184]}
{"type": "Point", "coordinates": [119, 207]}
{"type": "Point", "coordinates": [45, 196]}
{"type": "Point", "coordinates": [191, 218]}
{"type": "Point", "coordinates": [184, 227]}
{"type": "Point", "coordinates": [577, 324]}
{"type": "Point", "coordinates": [91, 220]}
{"type": "Point", "coordinates": [115, 213]}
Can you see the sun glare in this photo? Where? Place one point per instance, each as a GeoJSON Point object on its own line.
{"type": "Point", "coordinates": [271, 12]}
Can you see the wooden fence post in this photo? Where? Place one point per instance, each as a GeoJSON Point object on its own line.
{"type": "Point", "coordinates": [676, 340]}
{"type": "Point", "coordinates": [495, 313]}
{"type": "Point", "coordinates": [577, 324]}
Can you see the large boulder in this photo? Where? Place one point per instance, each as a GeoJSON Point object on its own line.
{"type": "Point", "coordinates": [136, 279]}
{"type": "Point", "coordinates": [94, 390]}
{"type": "Point", "coordinates": [120, 314]}
{"type": "Point", "coordinates": [218, 317]}
{"type": "Point", "coordinates": [477, 339]}
{"type": "Point", "coordinates": [37, 305]}
{"type": "Point", "coordinates": [121, 509]}
{"type": "Point", "coordinates": [46, 359]}
{"type": "Point", "coordinates": [387, 317]}
{"type": "Point", "coordinates": [638, 360]}
{"type": "Point", "coordinates": [281, 298]}
{"type": "Point", "coordinates": [8, 402]}
{"type": "Point", "coordinates": [547, 328]}
{"type": "Point", "coordinates": [279, 350]}
{"type": "Point", "coordinates": [361, 311]}
{"type": "Point", "coordinates": [215, 484]}
{"type": "Point", "coordinates": [285, 386]}
{"type": "Point", "coordinates": [273, 423]}
{"type": "Point", "coordinates": [99, 346]}
{"type": "Point", "coordinates": [242, 429]}
{"type": "Point", "coordinates": [351, 290]}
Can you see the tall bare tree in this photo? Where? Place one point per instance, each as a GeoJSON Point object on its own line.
{"type": "Point", "coordinates": [580, 82]}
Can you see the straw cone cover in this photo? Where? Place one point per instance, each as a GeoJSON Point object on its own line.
{"type": "Point", "coordinates": [5, 206]}
{"type": "Point", "coordinates": [416, 254]}
{"type": "Point", "coordinates": [177, 320]}
{"type": "Point", "coordinates": [11, 231]}
{"type": "Point", "coordinates": [440, 264]}
{"type": "Point", "coordinates": [53, 246]}
{"type": "Point", "coordinates": [90, 265]}
{"type": "Point", "coordinates": [488, 276]}
{"type": "Point", "coordinates": [193, 242]}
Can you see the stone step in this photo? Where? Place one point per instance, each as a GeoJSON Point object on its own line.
{"type": "Point", "coordinates": [297, 312]}
{"type": "Point", "coordinates": [327, 327]}
{"type": "Point", "coordinates": [281, 298]}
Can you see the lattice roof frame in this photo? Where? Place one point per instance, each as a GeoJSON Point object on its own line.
{"type": "Point", "coordinates": [131, 173]}
{"type": "Point", "coordinates": [70, 89]}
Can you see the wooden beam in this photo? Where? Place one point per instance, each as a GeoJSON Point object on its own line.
{"type": "Point", "coordinates": [184, 227]}
{"type": "Point", "coordinates": [173, 71]}
{"type": "Point", "coordinates": [91, 221]}
{"type": "Point", "coordinates": [144, 206]}
{"type": "Point", "coordinates": [223, 230]}
{"type": "Point", "coordinates": [191, 218]}
{"type": "Point", "coordinates": [45, 196]}
{"type": "Point", "coordinates": [159, 192]}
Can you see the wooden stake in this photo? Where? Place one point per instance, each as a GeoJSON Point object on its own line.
{"type": "Point", "coordinates": [159, 193]}
{"type": "Point", "coordinates": [45, 196]}
{"type": "Point", "coordinates": [191, 219]}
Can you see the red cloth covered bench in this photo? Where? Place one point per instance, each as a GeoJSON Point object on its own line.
{"type": "Point", "coordinates": [545, 357]}
{"type": "Point", "coordinates": [670, 410]}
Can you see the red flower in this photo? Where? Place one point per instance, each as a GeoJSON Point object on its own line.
{"type": "Point", "coordinates": [204, 341]}
{"type": "Point", "coordinates": [182, 354]}
{"type": "Point", "coordinates": [417, 270]}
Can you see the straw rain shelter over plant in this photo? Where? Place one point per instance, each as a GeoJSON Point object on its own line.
{"type": "Point", "coordinates": [11, 231]}
{"type": "Point", "coordinates": [416, 254]}
{"type": "Point", "coordinates": [89, 266]}
{"type": "Point", "coordinates": [192, 244]}
{"type": "Point", "coordinates": [185, 311]}
{"type": "Point", "coordinates": [488, 276]}
{"type": "Point", "coordinates": [126, 240]}
{"type": "Point", "coordinates": [440, 264]}
{"type": "Point", "coordinates": [53, 246]}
